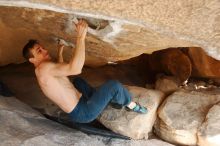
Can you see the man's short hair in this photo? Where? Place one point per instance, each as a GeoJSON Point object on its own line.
{"type": "Point", "coordinates": [26, 50]}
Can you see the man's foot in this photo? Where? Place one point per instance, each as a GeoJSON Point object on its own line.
{"type": "Point", "coordinates": [139, 109]}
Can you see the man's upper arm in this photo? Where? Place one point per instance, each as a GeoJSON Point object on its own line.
{"type": "Point", "coordinates": [60, 69]}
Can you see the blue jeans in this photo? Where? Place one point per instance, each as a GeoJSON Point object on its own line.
{"type": "Point", "coordinates": [94, 101]}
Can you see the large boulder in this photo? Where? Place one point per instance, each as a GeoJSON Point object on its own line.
{"type": "Point", "coordinates": [209, 132]}
{"type": "Point", "coordinates": [131, 124]}
{"type": "Point", "coordinates": [182, 113]}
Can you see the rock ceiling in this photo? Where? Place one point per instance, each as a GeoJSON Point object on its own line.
{"type": "Point", "coordinates": [118, 29]}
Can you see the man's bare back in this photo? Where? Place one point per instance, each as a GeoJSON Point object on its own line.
{"type": "Point", "coordinates": [58, 89]}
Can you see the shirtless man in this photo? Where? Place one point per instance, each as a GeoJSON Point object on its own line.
{"type": "Point", "coordinates": [79, 99]}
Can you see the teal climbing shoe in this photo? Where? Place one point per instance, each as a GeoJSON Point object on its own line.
{"type": "Point", "coordinates": [140, 109]}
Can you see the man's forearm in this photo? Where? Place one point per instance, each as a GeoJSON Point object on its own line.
{"type": "Point", "coordinates": [78, 58]}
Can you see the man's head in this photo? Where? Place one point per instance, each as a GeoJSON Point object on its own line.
{"type": "Point", "coordinates": [34, 52]}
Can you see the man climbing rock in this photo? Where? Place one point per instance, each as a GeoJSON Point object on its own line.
{"type": "Point", "coordinates": [81, 101]}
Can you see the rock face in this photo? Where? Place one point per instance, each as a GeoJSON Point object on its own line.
{"type": "Point", "coordinates": [202, 64]}
{"type": "Point", "coordinates": [209, 131]}
{"type": "Point", "coordinates": [118, 30]}
{"type": "Point", "coordinates": [172, 62]}
{"type": "Point", "coordinates": [182, 114]}
{"type": "Point", "coordinates": [136, 126]}
{"type": "Point", "coordinates": [184, 62]}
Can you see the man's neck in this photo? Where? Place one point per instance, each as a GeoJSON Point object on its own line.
{"type": "Point", "coordinates": [37, 64]}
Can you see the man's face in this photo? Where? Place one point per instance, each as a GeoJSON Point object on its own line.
{"type": "Point", "coordinates": [40, 53]}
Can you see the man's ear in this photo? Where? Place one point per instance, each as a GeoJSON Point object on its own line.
{"type": "Point", "coordinates": [32, 60]}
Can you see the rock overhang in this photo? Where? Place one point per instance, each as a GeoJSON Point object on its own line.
{"type": "Point", "coordinates": [130, 29]}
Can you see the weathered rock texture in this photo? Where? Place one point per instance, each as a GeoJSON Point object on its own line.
{"type": "Point", "coordinates": [184, 63]}
{"type": "Point", "coordinates": [209, 132]}
{"type": "Point", "coordinates": [183, 113]}
{"type": "Point", "coordinates": [131, 124]}
{"type": "Point", "coordinates": [172, 62]}
{"type": "Point", "coordinates": [202, 64]}
{"type": "Point", "coordinates": [134, 27]}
